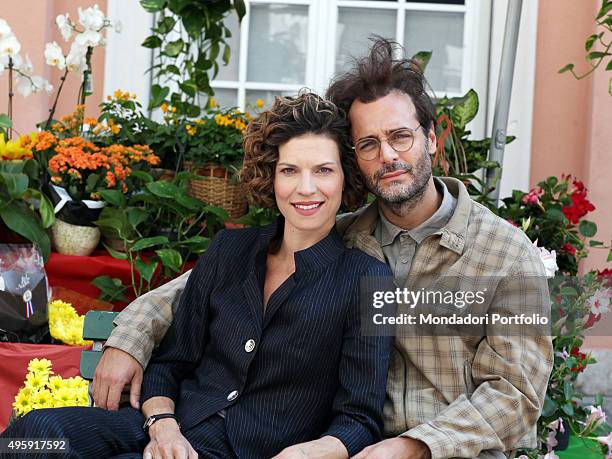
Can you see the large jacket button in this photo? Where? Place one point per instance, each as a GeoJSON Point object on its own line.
{"type": "Point", "coordinates": [233, 395]}
{"type": "Point", "coordinates": [249, 346]}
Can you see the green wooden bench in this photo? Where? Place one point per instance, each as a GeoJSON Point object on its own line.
{"type": "Point", "coordinates": [97, 327]}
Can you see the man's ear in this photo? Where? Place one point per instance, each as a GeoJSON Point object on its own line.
{"type": "Point", "coordinates": [433, 140]}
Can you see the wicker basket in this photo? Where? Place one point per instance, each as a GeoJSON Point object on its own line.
{"type": "Point", "coordinates": [74, 240]}
{"type": "Point", "coordinates": [214, 186]}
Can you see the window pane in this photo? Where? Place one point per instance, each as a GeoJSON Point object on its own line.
{"type": "Point", "coordinates": [226, 98]}
{"type": "Point", "coordinates": [443, 34]}
{"type": "Point", "coordinates": [278, 44]}
{"type": "Point", "coordinates": [355, 25]}
{"type": "Point", "coordinates": [266, 96]}
{"type": "Point", "coordinates": [229, 72]}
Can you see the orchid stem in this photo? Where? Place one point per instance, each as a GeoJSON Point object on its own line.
{"type": "Point", "coordinates": [54, 107]}
{"type": "Point", "coordinates": [10, 98]}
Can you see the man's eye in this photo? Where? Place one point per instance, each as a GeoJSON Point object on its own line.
{"type": "Point", "coordinates": [401, 135]}
{"type": "Point", "coordinates": [366, 145]}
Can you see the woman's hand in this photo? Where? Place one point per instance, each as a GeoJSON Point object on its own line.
{"type": "Point", "coordinates": [167, 442]}
{"type": "Point", "coordinates": [327, 447]}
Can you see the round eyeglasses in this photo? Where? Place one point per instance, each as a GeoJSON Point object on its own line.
{"type": "Point", "coordinates": [401, 140]}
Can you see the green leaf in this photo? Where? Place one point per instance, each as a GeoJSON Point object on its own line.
{"type": "Point", "coordinates": [226, 54]}
{"type": "Point", "coordinates": [174, 48]}
{"type": "Point", "coordinates": [111, 288]}
{"type": "Point", "coordinates": [609, 66]}
{"type": "Point", "coordinates": [567, 68]}
{"type": "Point", "coordinates": [173, 69]}
{"type": "Point", "coordinates": [136, 216]}
{"type": "Point", "coordinates": [114, 197]}
{"type": "Point", "coordinates": [194, 21]}
{"type": "Point", "coordinates": [152, 41]}
{"type": "Point", "coordinates": [465, 111]}
{"type": "Point", "coordinates": [5, 121]}
{"type": "Point", "coordinates": [587, 228]}
{"type": "Point", "coordinates": [142, 175]}
{"type": "Point", "coordinates": [597, 55]}
{"type": "Point", "coordinates": [605, 8]}
{"type": "Point", "coordinates": [422, 58]}
{"type": "Point", "coordinates": [595, 243]}
{"type": "Point", "coordinates": [21, 219]}
{"type": "Point", "coordinates": [153, 6]}
{"type": "Point", "coordinates": [16, 184]}
{"type": "Point", "coordinates": [189, 87]}
{"type": "Point", "coordinates": [171, 259]}
{"type": "Point", "coordinates": [158, 95]}
{"type": "Point", "coordinates": [589, 42]}
{"type": "Point", "coordinates": [214, 51]}
{"type": "Point", "coordinates": [163, 189]}
{"type": "Point", "coordinates": [568, 409]}
{"type": "Point", "coordinates": [555, 214]}
{"type": "Point", "coordinates": [92, 182]}
{"type": "Point", "coordinates": [568, 391]}
{"type": "Point", "coordinates": [149, 242]}
{"type": "Point", "coordinates": [146, 271]}
{"type": "Point", "coordinates": [549, 408]}
{"type": "Point", "coordinates": [166, 24]}
{"type": "Point", "coordinates": [609, 256]}
{"type": "Point", "coordinates": [45, 208]}
{"type": "Point", "coordinates": [240, 8]}
{"type": "Point", "coordinates": [115, 253]}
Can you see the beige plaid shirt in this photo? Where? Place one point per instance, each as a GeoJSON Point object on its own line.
{"type": "Point", "coordinates": [464, 396]}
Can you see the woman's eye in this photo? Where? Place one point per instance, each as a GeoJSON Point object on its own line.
{"type": "Point", "coordinates": [325, 170]}
{"type": "Point", "coordinates": [287, 170]}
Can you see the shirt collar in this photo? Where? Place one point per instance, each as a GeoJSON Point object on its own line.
{"type": "Point", "coordinates": [433, 225]}
{"type": "Point", "coordinates": [363, 223]}
{"type": "Point", "coordinates": [314, 258]}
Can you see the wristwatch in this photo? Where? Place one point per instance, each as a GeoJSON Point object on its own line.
{"type": "Point", "coordinates": [156, 417]}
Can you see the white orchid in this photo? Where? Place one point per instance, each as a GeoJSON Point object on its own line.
{"type": "Point", "coordinates": [118, 26]}
{"type": "Point", "coordinates": [92, 19]}
{"type": "Point", "coordinates": [75, 61]}
{"type": "Point", "coordinates": [5, 29]}
{"type": "Point", "coordinates": [54, 55]}
{"type": "Point", "coordinates": [10, 46]}
{"type": "Point", "coordinates": [40, 84]}
{"type": "Point", "coordinates": [549, 259]}
{"type": "Point", "coordinates": [64, 24]}
{"type": "Point", "coordinates": [26, 82]}
{"type": "Point", "coordinates": [89, 38]}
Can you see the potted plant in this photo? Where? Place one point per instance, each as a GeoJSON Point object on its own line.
{"type": "Point", "coordinates": [160, 228]}
{"type": "Point", "coordinates": [212, 150]}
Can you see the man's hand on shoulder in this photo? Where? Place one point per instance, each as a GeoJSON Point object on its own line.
{"type": "Point", "coordinates": [396, 448]}
{"type": "Point", "coordinates": [115, 370]}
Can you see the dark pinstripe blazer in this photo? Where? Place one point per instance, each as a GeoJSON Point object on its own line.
{"type": "Point", "coordinates": [298, 372]}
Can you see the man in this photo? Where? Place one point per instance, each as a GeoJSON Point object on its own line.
{"type": "Point", "coordinates": [448, 396]}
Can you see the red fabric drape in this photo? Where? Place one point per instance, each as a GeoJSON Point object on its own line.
{"type": "Point", "coordinates": [14, 358]}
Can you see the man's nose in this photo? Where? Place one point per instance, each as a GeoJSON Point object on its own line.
{"type": "Point", "coordinates": [387, 153]}
{"type": "Point", "coordinates": [307, 185]}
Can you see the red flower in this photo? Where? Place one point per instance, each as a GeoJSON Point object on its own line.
{"type": "Point", "coordinates": [579, 207]}
{"type": "Point", "coordinates": [606, 276]}
{"type": "Point", "coordinates": [575, 352]}
{"type": "Point", "coordinates": [568, 248]}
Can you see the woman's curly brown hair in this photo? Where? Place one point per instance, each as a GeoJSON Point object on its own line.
{"type": "Point", "coordinates": [291, 117]}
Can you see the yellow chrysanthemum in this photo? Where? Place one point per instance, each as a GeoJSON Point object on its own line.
{"type": "Point", "coordinates": [65, 324]}
{"type": "Point", "coordinates": [259, 103]}
{"type": "Point", "coordinates": [40, 366]}
{"type": "Point", "coordinates": [55, 383]}
{"type": "Point", "coordinates": [42, 399]}
{"type": "Point", "coordinates": [65, 396]}
{"type": "Point", "coordinates": [22, 404]}
{"type": "Point", "coordinates": [36, 381]}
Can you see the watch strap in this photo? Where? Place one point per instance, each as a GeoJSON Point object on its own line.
{"type": "Point", "coordinates": [156, 417]}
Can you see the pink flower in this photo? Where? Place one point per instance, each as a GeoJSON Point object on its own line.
{"type": "Point", "coordinates": [600, 301]}
{"type": "Point", "coordinates": [606, 441]}
{"type": "Point", "coordinates": [596, 416]}
{"type": "Point", "coordinates": [562, 355]}
{"type": "Point", "coordinates": [550, 455]}
{"type": "Point", "coordinates": [533, 197]}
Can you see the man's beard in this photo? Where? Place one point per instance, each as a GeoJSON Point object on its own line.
{"type": "Point", "coordinates": [404, 196]}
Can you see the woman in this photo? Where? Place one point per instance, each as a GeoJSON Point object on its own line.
{"type": "Point", "coordinates": [265, 349]}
